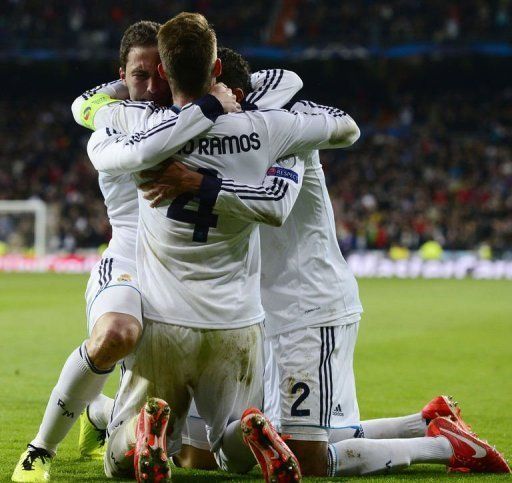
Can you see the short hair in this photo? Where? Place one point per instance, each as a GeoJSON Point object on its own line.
{"type": "Point", "coordinates": [236, 72]}
{"type": "Point", "coordinates": [188, 48]}
{"type": "Point", "coordinates": [139, 34]}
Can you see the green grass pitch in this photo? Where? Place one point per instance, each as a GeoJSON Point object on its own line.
{"type": "Point", "coordinates": [418, 339]}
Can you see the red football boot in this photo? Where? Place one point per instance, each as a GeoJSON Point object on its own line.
{"type": "Point", "coordinates": [446, 407]}
{"type": "Point", "coordinates": [278, 463]}
{"type": "Point", "coordinates": [470, 454]}
{"type": "Point", "coordinates": [150, 455]}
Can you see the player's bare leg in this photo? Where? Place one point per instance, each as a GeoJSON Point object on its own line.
{"type": "Point", "coordinates": [312, 456]}
{"type": "Point", "coordinates": [195, 458]}
{"type": "Point", "coordinates": [113, 337]}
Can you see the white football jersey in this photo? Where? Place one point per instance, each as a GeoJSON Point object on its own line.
{"type": "Point", "coordinates": [270, 87]}
{"type": "Point", "coordinates": [305, 280]}
{"type": "Point", "coordinates": [120, 194]}
{"type": "Point", "coordinates": [119, 189]}
{"type": "Point", "coordinates": [197, 268]}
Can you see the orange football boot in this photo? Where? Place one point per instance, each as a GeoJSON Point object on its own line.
{"type": "Point", "coordinates": [278, 463]}
{"type": "Point", "coordinates": [446, 407]}
{"type": "Point", "coordinates": [470, 454]}
{"type": "Point", "coordinates": [150, 455]}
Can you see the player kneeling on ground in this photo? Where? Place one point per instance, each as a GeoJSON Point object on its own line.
{"type": "Point", "coordinates": [307, 407]}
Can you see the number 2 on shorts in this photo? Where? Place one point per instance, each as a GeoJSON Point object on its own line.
{"type": "Point", "coordinates": [305, 393]}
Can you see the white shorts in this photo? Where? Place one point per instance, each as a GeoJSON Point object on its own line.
{"type": "Point", "coordinates": [112, 287]}
{"type": "Point", "coordinates": [316, 389]}
{"type": "Point", "coordinates": [194, 430]}
{"type": "Point", "coordinates": [318, 363]}
{"type": "Point", "coordinates": [221, 369]}
{"type": "Point", "coordinates": [271, 381]}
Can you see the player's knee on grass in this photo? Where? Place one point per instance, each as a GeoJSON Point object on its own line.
{"type": "Point", "coordinates": [231, 465]}
{"type": "Point", "coordinates": [195, 458]}
{"type": "Point", "coordinates": [312, 456]}
{"type": "Point", "coordinates": [113, 337]}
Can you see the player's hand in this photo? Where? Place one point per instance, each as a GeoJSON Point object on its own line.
{"type": "Point", "coordinates": [225, 97]}
{"type": "Point", "coordinates": [158, 194]}
{"type": "Point", "coordinates": [166, 183]}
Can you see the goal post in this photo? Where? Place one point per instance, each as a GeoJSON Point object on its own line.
{"type": "Point", "coordinates": [38, 209]}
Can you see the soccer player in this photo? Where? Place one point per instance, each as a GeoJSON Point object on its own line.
{"type": "Point", "coordinates": [268, 87]}
{"type": "Point", "coordinates": [113, 296]}
{"type": "Point", "coordinates": [410, 426]}
{"type": "Point", "coordinates": [199, 273]}
{"type": "Point", "coordinates": [304, 273]}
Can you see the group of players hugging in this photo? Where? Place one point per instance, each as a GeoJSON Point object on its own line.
{"type": "Point", "coordinates": [223, 294]}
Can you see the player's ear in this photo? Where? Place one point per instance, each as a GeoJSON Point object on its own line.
{"type": "Point", "coordinates": [217, 68]}
{"type": "Point", "coordinates": [239, 93]}
{"type": "Point", "coordinates": [122, 75]}
{"type": "Point", "coordinates": [161, 71]}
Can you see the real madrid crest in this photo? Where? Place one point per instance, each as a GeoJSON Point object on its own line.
{"type": "Point", "coordinates": [125, 277]}
{"type": "Point", "coordinates": [288, 162]}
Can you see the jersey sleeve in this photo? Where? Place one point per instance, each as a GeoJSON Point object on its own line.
{"type": "Point", "coordinates": [108, 105]}
{"type": "Point", "coordinates": [273, 88]}
{"type": "Point", "coordinates": [113, 152]}
{"type": "Point", "coordinates": [270, 202]}
{"type": "Point", "coordinates": [295, 132]}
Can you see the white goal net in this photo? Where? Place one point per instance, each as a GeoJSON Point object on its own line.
{"type": "Point", "coordinates": [23, 226]}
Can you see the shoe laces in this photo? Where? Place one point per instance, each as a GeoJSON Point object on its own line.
{"type": "Point", "coordinates": [102, 437]}
{"type": "Point", "coordinates": [32, 455]}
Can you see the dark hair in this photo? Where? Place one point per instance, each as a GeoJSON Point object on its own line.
{"type": "Point", "coordinates": [188, 49]}
{"type": "Point", "coordinates": [236, 72]}
{"type": "Point", "coordinates": [140, 34]}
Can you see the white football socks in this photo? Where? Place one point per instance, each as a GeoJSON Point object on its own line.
{"type": "Point", "coordinates": [119, 443]}
{"type": "Point", "coordinates": [234, 456]}
{"type": "Point", "coordinates": [366, 456]}
{"type": "Point", "coordinates": [100, 409]}
{"type": "Point", "coordinates": [412, 426]}
{"type": "Point", "coordinates": [79, 383]}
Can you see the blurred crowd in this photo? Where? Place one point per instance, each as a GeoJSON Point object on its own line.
{"type": "Point", "coordinates": [390, 22]}
{"type": "Point", "coordinates": [431, 168]}
{"type": "Point", "coordinates": [425, 168]}
{"type": "Point", "coordinates": [95, 24]}
{"type": "Point", "coordinates": [43, 156]}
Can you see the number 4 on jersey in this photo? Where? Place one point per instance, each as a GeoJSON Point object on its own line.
{"type": "Point", "coordinates": [203, 219]}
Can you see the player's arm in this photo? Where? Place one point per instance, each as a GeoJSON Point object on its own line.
{"type": "Point", "coordinates": [115, 153]}
{"type": "Point", "coordinates": [295, 132]}
{"type": "Point", "coordinates": [269, 202]}
{"type": "Point", "coordinates": [273, 88]}
{"type": "Point", "coordinates": [107, 105]}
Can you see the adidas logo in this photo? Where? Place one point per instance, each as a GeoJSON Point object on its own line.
{"type": "Point", "coordinates": [337, 411]}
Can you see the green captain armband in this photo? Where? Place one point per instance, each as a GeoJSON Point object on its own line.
{"type": "Point", "coordinates": [90, 108]}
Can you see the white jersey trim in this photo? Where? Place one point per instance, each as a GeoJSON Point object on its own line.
{"type": "Point", "coordinates": [333, 320]}
{"type": "Point", "coordinates": [236, 324]}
